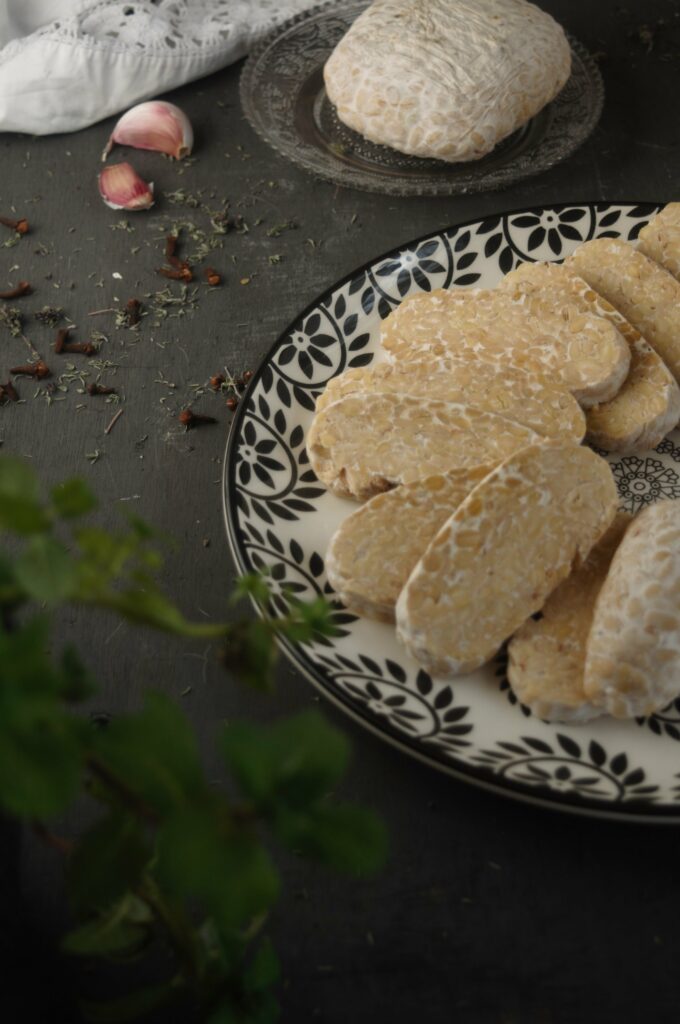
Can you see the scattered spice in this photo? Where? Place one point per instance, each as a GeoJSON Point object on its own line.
{"type": "Point", "coordinates": [190, 419]}
{"type": "Point", "coordinates": [50, 315]}
{"type": "Point", "coordinates": [9, 391]}
{"type": "Point", "coordinates": [38, 369]}
{"type": "Point", "coordinates": [131, 315]}
{"type": "Point", "coordinates": [62, 337]}
{"type": "Point", "coordinates": [244, 280]}
{"type": "Point", "coordinates": [94, 456]}
{"type": "Point", "coordinates": [217, 381]}
{"type": "Point", "coordinates": [23, 288]}
{"type": "Point", "coordinates": [232, 404]}
{"type": "Point", "coordinates": [63, 346]}
{"type": "Point", "coordinates": [20, 226]}
{"type": "Point", "coordinates": [182, 273]}
{"type": "Point", "coordinates": [275, 258]}
{"type": "Point", "coordinates": [11, 317]}
{"type": "Point", "coordinates": [278, 229]}
{"type": "Point", "coordinates": [114, 421]}
{"type": "Point", "coordinates": [100, 389]}
{"type": "Point", "coordinates": [211, 276]}
{"type": "Point", "coordinates": [247, 375]}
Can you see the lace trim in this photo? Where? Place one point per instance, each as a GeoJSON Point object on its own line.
{"type": "Point", "coordinates": [167, 28]}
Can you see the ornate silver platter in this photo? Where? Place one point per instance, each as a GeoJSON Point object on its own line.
{"type": "Point", "coordinates": [280, 518]}
{"type": "Point", "coordinates": [283, 97]}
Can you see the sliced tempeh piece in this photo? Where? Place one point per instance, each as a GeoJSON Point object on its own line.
{"type": "Point", "coordinates": [509, 544]}
{"type": "Point", "coordinates": [648, 405]}
{"type": "Point", "coordinates": [633, 650]}
{"type": "Point", "coordinates": [546, 656]}
{"type": "Point", "coordinates": [364, 444]}
{"type": "Point", "coordinates": [660, 240]}
{"type": "Point", "coordinates": [372, 553]}
{"type": "Point", "coordinates": [549, 410]}
{"type": "Point", "coordinates": [584, 354]}
{"type": "Point", "coordinates": [646, 294]}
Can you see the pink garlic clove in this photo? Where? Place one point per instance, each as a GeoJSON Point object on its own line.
{"type": "Point", "coordinates": [121, 188]}
{"type": "Point", "coordinates": [155, 125]}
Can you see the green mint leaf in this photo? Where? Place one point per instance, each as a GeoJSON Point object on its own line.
{"type": "Point", "coordinates": [264, 968]}
{"type": "Point", "coordinates": [154, 755]}
{"type": "Point", "coordinates": [108, 860]}
{"type": "Point", "coordinates": [129, 1007]}
{"type": "Point", "coordinates": [202, 855]}
{"type": "Point", "coordinates": [251, 653]}
{"type": "Point", "coordinates": [20, 508]}
{"type": "Point", "coordinates": [342, 836]}
{"type": "Point", "coordinates": [72, 498]}
{"type": "Point", "coordinates": [45, 571]}
{"type": "Point", "coordinates": [41, 746]}
{"type": "Point", "coordinates": [108, 935]}
{"type": "Point", "coordinates": [294, 762]}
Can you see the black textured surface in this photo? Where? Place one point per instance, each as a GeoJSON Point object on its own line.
{"type": "Point", "coordinates": [489, 912]}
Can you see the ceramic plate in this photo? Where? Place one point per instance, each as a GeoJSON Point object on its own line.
{"type": "Point", "coordinates": [280, 518]}
{"type": "Point", "coordinates": [283, 97]}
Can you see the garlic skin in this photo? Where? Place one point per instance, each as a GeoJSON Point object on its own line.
{"type": "Point", "coordinates": [121, 188]}
{"type": "Point", "coordinates": [156, 125]}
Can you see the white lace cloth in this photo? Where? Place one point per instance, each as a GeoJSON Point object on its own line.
{"type": "Point", "coordinates": [65, 64]}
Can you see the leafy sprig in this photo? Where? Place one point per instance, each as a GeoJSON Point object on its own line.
{"type": "Point", "coordinates": [171, 857]}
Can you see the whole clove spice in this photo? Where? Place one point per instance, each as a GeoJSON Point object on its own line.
{"type": "Point", "coordinates": [182, 273]}
{"type": "Point", "coordinates": [20, 226]}
{"type": "Point", "coordinates": [190, 419]}
{"type": "Point", "coordinates": [100, 389]}
{"type": "Point", "coordinates": [62, 338]}
{"type": "Point", "coordinates": [232, 404]}
{"type": "Point", "coordinates": [212, 277]}
{"type": "Point", "coordinates": [133, 309]}
{"type": "Point", "coordinates": [63, 346]}
{"type": "Point", "coordinates": [217, 381]}
{"type": "Point", "coordinates": [23, 288]}
{"type": "Point", "coordinates": [38, 369]}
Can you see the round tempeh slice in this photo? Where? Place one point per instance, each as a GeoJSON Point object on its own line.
{"type": "Point", "coordinates": [646, 294]}
{"type": "Point", "coordinates": [364, 444]}
{"type": "Point", "coordinates": [549, 410]}
{"type": "Point", "coordinates": [584, 354]}
{"type": "Point", "coordinates": [509, 544]}
{"type": "Point", "coordinates": [660, 240]}
{"type": "Point", "coordinates": [633, 651]}
{"type": "Point", "coordinates": [648, 405]}
{"type": "Point", "coordinates": [546, 656]}
{"type": "Point", "coordinates": [373, 551]}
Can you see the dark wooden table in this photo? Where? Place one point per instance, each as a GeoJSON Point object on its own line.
{"type": "Point", "coordinates": [489, 911]}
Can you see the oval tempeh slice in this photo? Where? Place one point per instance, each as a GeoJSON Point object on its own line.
{"type": "Point", "coordinates": [550, 411]}
{"type": "Point", "coordinates": [585, 354]}
{"type": "Point", "coordinates": [364, 444]}
{"type": "Point", "coordinates": [546, 656]}
{"type": "Point", "coordinates": [633, 650]}
{"type": "Point", "coordinates": [648, 405]}
{"type": "Point", "coordinates": [646, 294]}
{"type": "Point", "coordinates": [660, 240]}
{"type": "Point", "coordinates": [372, 553]}
{"type": "Point", "coordinates": [510, 543]}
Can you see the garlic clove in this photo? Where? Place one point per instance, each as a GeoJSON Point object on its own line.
{"type": "Point", "coordinates": [121, 188]}
{"type": "Point", "coordinates": [155, 125]}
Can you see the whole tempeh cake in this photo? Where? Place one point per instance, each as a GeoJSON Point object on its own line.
{"type": "Point", "coordinates": [646, 294]}
{"type": "Point", "coordinates": [547, 655]}
{"type": "Point", "coordinates": [550, 411]}
{"type": "Point", "coordinates": [584, 354]}
{"type": "Point", "coordinates": [647, 406]}
{"type": "Point", "coordinates": [660, 240]}
{"type": "Point", "coordinates": [373, 551]}
{"type": "Point", "coordinates": [362, 444]}
{"type": "Point", "coordinates": [502, 552]}
{"type": "Point", "coordinates": [446, 78]}
{"type": "Point", "coordinates": [633, 652]}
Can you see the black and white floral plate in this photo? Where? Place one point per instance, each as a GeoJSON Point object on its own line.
{"type": "Point", "coordinates": [280, 518]}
